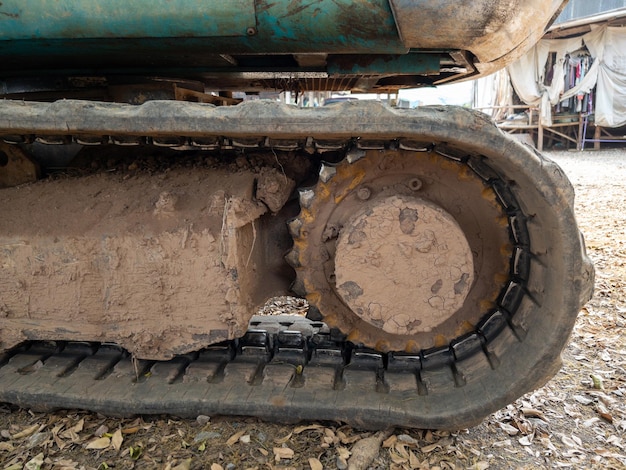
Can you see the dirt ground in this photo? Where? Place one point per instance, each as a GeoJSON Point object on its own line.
{"type": "Point", "coordinates": [578, 420]}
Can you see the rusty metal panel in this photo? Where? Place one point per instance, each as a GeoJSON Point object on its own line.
{"type": "Point", "coordinates": [487, 28]}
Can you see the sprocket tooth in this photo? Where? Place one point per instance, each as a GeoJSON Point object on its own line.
{"type": "Point", "coordinates": [294, 226]}
{"type": "Point", "coordinates": [327, 172]}
{"type": "Point", "coordinates": [297, 287]}
{"type": "Point", "coordinates": [306, 197]}
{"type": "Point", "coordinates": [354, 155]}
{"type": "Point", "coordinates": [293, 258]}
{"type": "Point", "coordinates": [314, 313]}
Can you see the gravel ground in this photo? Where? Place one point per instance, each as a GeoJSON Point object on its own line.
{"type": "Point", "coordinates": [577, 420]}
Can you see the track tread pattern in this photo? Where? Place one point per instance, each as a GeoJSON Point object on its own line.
{"type": "Point", "coordinates": [287, 368]}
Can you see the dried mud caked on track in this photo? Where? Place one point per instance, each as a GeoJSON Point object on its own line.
{"type": "Point", "coordinates": [578, 420]}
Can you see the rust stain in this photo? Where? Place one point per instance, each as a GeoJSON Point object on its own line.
{"type": "Point", "coordinates": [314, 298]}
{"type": "Point", "coordinates": [502, 221]}
{"type": "Point", "coordinates": [324, 193]}
{"type": "Point", "coordinates": [412, 347]}
{"type": "Point", "coordinates": [489, 195]}
{"type": "Point", "coordinates": [440, 341]}
{"type": "Point", "coordinates": [506, 250]}
{"type": "Point", "coordinates": [355, 336]}
{"type": "Point", "coordinates": [298, 6]}
{"type": "Point", "coordinates": [501, 278]}
{"type": "Point", "coordinates": [463, 328]}
{"type": "Point", "coordinates": [353, 174]}
{"type": "Point", "coordinates": [9, 15]}
{"type": "Point", "coordinates": [382, 346]}
{"type": "Point", "coordinates": [466, 174]}
{"type": "Point", "coordinates": [306, 216]}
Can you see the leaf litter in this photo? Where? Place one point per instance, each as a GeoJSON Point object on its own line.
{"type": "Point", "coordinates": [578, 420]}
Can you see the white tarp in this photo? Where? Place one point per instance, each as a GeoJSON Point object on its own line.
{"type": "Point", "coordinates": [493, 94]}
{"type": "Point", "coordinates": [607, 47]}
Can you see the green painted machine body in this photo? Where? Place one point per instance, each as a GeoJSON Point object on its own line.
{"type": "Point", "coordinates": [249, 44]}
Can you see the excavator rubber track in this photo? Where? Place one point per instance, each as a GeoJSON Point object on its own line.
{"type": "Point", "coordinates": [286, 368]}
{"type": "Point", "coordinates": [302, 370]}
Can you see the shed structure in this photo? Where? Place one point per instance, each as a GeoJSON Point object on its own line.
{"type": "Point", "coordinates": [570, 89]}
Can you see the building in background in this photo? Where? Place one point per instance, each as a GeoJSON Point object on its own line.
{"type": "Point", "coordinates": [570, 89]}
{"type": "Point", "coordinates": [579, 9]}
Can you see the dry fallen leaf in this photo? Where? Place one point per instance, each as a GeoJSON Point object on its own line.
{"type": "Point", "coordinates": [609, 454]}
{"type": "Point", "coordinates": [235, 437]}
{"type": "Point", "coordinates": [526, 440]}
{"type": "Point", "coordinates": [131, 430]}
{"type": "Point", "coordinates": [78, 427]}
{"type": "Point", "coordinates": [117, 439]}
{"type": "Point", "coordinates": [597, 382]}
{"type": "Point", "coordinates": [591, 421]}
{"type": "Point", "coordinates": [606, 416]}
{"type": "Point", "coordinates": [184, 465]}
{"type": "Point", "coordinates": [583, 400]}
{"type": "Point", "coordinates": [390, 441]}
{"type": "Point", "coordinates": [441, 443]}
{"type": "Point", "coordinates": [480, 466]}
{"type": "Point", "coordinates": [408, 440]}
{"type": "Point", "coordinates": [510, 430]}
{"type": "Point", "coordinates": [533, 413]}
{"type": "Point", "coordinates": [283, 440]}
{"type": "Point", "coordinates": [26, 432]}
{"type": "Point", "coordinates": [312, 427]}
{"type": "Point", "coordinates": [315, 464]}
{"type": "Point", "coordinates": [414, 462]}
{"type": "Point", "coordinates": [283, 453]}
{"type": "Point", "coordinates": [366, 450]}
{"type": "Point", "coordinates": [343, 452]}
{"type": "Point", "coordinates": [568, 441]}
{"type": "Point", "coordinates": [397, 458]}
{"type": "Point", "coordinates": [6, 447]}
{"type": "Point", "coordinates": [101, 431]}
{"type": "Point", "coordinates": [99, 443]}
{"type": "Point", "coordinates": [35, 463]}
{"type": "Point", "coordinates": [347, 440]}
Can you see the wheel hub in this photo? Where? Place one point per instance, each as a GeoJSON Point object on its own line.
{"type": "Point", "coordinates": [401, 250]}
{"type": "Point", "coordinates": [403, 264]}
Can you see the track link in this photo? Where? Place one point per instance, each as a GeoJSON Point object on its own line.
{"type": "Point", "coordinates": [286, 368]}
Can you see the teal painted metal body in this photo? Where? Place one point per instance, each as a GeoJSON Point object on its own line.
{"type": "Point", "coordinates": [224, 26]}
{"type": "Point", "coordinates": [224, 43]}
{"type": "Point", "coordinates": [73, 19]}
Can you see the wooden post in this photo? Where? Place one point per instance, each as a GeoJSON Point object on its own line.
{"type": "Point", "coordinates": [581, 128]}
{"type": "Point", "coordinates": [596, 136]}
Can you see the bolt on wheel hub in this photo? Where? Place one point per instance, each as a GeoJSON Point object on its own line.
{"type": "Point", "coordinates": [403, 264]}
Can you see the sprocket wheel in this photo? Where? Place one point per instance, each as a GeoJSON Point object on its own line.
{"type": "Point", "coordinates": [403, 250]}
{"type": "Point", "coordinates": [460, 259]}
